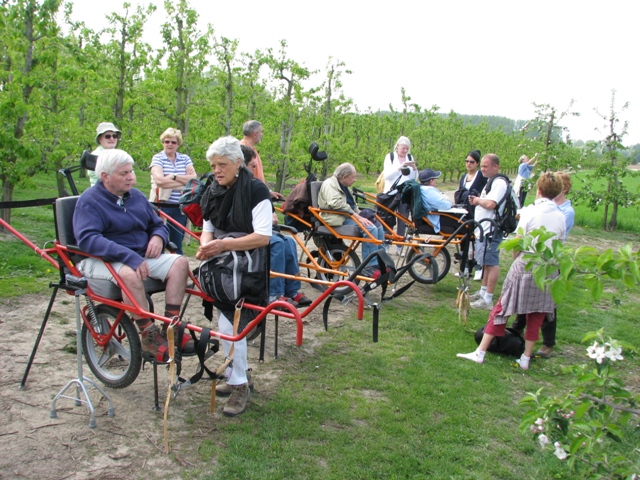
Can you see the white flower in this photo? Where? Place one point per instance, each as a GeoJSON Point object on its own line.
{"type": "Point", "coordinates": [560, 452]}
{"type": "Point", "coordinates": [539, 421]}
{"type": "Point", "coordinates": [544, 440]}
{"type": "Point", "coordinates": [614, 353]}
{"type": "Point", "coordinates": [597, 352]}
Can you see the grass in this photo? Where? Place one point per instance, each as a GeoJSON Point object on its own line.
{"type": "Point", "coordinates": [404, 407]}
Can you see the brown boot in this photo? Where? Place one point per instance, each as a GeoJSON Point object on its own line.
{"type": "Point", "coordinates": [545, 352]}
{"type": "Point", "coordinates": [224, 390]}
{"type": "Point", "coordinates": [237, 403]}
{"type": "Point", "coordinates": [154, 343]}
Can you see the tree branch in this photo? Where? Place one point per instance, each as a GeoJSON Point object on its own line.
{"type": "Point", "coordinates": [615, 406]}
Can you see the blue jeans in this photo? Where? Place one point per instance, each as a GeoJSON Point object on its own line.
{"type": "Point", "coordinates": [284, 259]}
{"type": "Point", "coordinates": [176, 234]}
{"type": "Point", "coordinates": [367, 247]}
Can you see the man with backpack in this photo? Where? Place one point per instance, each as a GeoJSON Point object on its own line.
{"type": "Point", "coordinates": [490, 201]}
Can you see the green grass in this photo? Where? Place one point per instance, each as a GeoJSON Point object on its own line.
{"type": "Point", "coordinates": [404, 407]}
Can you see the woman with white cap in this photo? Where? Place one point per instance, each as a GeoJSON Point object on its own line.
{"type": "Point", "coordinates": [107, 136]}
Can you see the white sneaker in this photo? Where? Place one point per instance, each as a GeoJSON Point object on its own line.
{"type": "Point", "coordinates": [473, 356]}
{"type": "Point", "coordinates": [523, 362]}
{"type": "Point", "coordinates": [476, 296]}
{"type": "Point", "coordinates": [482, 304]}
{"type": "Point", "coordinates": [478, 275]}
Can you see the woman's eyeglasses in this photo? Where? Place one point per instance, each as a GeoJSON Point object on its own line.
{"type": "Point", "coordinates": [109, 136]}
{"type": "Point", "coordinates": [470, 161]}
{"type": "Point", "coordinates": [172, 142]}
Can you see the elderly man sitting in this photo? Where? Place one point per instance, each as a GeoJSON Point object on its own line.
{"type": "Point", "coordinates": [116, 222]}
{"type": "Point", "coordinates": [432, 198]}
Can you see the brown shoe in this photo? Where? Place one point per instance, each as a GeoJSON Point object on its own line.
{"type": "Point", "coordinates": [237, 403]}
{"type": "Point", "coordinates": [154, 343]}
{"type": "Point", "coordinates": [224, 390]}
{"type": "Point", "coordinates": [545, 352]}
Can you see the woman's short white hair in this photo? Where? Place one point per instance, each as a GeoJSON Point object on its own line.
{"type": "Point", "coordinates": [112, 159]}
{"type": "Point", "coordinates": [523, 158]}
{"type": "Point", "coordinates": [227, 147]}
{"type": "Point", "coordinates": [344, 170]}
{"type": "Point", "coordinates": [403, 141]}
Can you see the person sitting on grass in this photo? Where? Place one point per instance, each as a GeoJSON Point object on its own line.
{"type": "Point", "coordinates": [520, 294]}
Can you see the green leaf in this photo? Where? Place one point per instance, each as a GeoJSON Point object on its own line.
{"type": "Point", "coordinates": [558, 290]}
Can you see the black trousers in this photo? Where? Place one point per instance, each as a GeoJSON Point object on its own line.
{"type": "Point", "coordinates": [548, 328]}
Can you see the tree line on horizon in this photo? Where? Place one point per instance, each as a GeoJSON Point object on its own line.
{"type": "Point", "coordinates": [59, 79]}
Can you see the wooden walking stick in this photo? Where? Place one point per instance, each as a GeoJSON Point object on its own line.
{"type": "Point", "coordinates": [229, 358]}
{"type": "Point", "coordinates": [172, 379]}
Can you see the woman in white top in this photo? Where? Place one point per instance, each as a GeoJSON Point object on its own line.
{"type": "Point", "coordinates": [393, 164]}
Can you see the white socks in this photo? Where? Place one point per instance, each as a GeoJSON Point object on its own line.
{"type": "Point", "coordinates": [477, 356]}
{"type": "Point", "coordinates": [523, 361]}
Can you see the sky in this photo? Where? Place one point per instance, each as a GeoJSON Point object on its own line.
{"type": "Point", "coordinates": [482, 58]}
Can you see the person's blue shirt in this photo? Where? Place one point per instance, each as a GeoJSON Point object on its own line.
{"type": "Point", "coordinates": [524, 170]}
{"type": "Point", "coordinates": [434, 199]}
{"type": "Point", "coordinates": [569, 216]}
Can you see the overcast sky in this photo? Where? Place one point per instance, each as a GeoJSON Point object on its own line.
{"type": "Point", "coordinates": [485, 58]}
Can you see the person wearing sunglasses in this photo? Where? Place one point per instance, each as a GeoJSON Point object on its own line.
{"type": "Point", "coordinates": [107, 136]}
{"type": "Point", "coordinates": [472, 181]}
{"type": "Point", "coordinates": [170, 172]}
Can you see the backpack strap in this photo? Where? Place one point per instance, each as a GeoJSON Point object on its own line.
{"type": "Point", "coordinates": [490, 184]}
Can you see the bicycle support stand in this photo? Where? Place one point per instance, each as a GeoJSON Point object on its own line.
{"type": "Point", "coordinates": [79, 382]}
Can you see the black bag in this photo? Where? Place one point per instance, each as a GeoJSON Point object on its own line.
{"type": "Point", "coordinates": [391, 200]}
{"type": "Point", "coordinates": [231, 276]}
{"type": "Point", "coordinates": [511, 344]}
{"type": "Point", "coordinates": [507, 220]}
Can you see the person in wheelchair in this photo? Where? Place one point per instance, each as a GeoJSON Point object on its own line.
{"type": "Point", "coordinates": [432, 198]}
{"type": "Point", "coordinates": [335, 195]}
{"type": "Point", "coordinates": [116, 222]}
{"type": "Point", "coordinates": [283, 255]}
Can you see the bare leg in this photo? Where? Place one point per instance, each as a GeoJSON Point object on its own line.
{"type": "Point", "coordinates": [135, 286]}
{"type": "Point", "coordinates": [491, 275]}
{"type": "Point", "coordinates": [177, 281]}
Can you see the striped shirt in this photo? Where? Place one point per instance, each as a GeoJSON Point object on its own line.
{"type": "Point", "coordinates": [169, 168]}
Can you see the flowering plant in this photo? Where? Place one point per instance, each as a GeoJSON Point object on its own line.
{"type": "Point", "coordinates": [591, 427]}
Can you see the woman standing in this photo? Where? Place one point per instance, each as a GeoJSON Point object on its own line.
{"type": "Point", "coordinates": [234, 202]}
{"type": "Point", "coordinates": [473, 180]}
{"type": "Point", "coordinates": [171, 170]}
{"type": "Point", "coordinates": [107, 136]}
{"type": "Point", "coordinates": [520, 294]}
{"type": "Point", "coordinates": [548, 328]}
{"type": "Point", "coordinates": [391, 170]}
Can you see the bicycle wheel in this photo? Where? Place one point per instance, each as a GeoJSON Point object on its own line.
{"type": "Point", "coordinates": [337, 259]}
{"type": "Point", "coordinates": [117, 365]}
{"type": "Point", "coordinates": [422, 271]}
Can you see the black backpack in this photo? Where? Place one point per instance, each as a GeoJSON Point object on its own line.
{"type": "Point", "coordinates": [507, 220]}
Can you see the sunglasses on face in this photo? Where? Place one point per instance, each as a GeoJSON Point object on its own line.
{"type": "Point", "coordinates": [470, 161]}
{"type": "Point", "coordinates": [109, 136]}
{"type": "Point", "coordinates": [172, 142]}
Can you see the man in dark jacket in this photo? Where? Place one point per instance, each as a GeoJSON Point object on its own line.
{"type": "Point", "coordinates": [116, 222]}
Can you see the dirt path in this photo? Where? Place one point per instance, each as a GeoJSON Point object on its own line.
{"type": "Point", "coordinates": [33, 445]}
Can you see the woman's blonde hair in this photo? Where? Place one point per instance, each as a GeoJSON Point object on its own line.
{"type": "Point", "coordinates": [172, 132]}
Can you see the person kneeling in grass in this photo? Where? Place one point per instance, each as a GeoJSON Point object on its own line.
{"type": "Point", "coordinates": [520, 294]}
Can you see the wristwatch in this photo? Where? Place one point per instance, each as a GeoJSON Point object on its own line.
{"type": "Point", "coordinates": [174, 176]}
